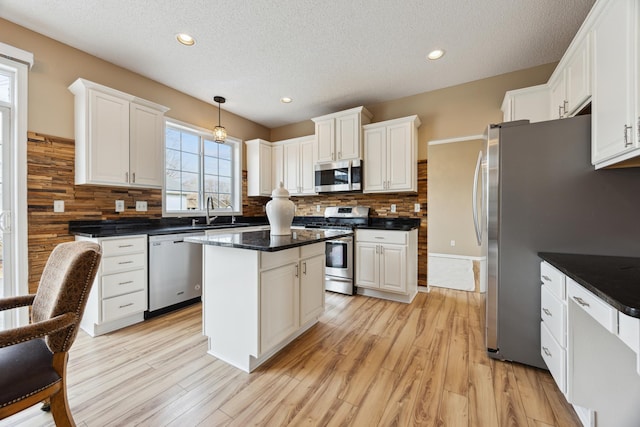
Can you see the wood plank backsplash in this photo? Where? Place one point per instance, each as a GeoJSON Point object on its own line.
{"type": "Point", "coordinates": [50, 176]}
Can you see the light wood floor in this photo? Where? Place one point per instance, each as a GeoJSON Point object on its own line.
{"type": "Point", "coordinates": [368, 362]}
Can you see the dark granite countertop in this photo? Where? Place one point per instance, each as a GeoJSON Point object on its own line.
{"type": "Point", "coordinates": [157, 226]}
{"type": "Point", "coordinates": [152, 227]}
{"type": "Point", "coordinates": [395, 224]}
{"type": "Point", "coordinates": [615, 280]}
{"type": "Point", "coordinates": [264, 241]}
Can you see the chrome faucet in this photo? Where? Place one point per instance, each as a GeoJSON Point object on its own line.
{"type": "Point", "coordinates": [209, 204]}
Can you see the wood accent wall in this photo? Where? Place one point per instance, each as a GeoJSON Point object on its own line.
{"type": "Point", "coordinates": [51, 175]}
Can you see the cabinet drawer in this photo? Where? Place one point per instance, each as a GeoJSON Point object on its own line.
{"type": "Point", "coordinates": [123, 305]}
{"type": "Point", "coordinates": [123, 283]}
{"type": "Point", "coordinates": [554, 356]}
{"type": "Point", "coordinates": [606, 315]}
{"type": "Point", "coordinates": [278, 258]}
{"type": "Point", "coordinates": [122, 263]}
{"type": "Point", "coordinates": [117, 247]}
{"type": "Point", "coordinates": [553, 314]}
{"type": "Point", "coordinates": [311, 250]}
{"type": "Point", "coordinates": [553, 278]}
{"type": "Point", "coordinates": [382, 236]}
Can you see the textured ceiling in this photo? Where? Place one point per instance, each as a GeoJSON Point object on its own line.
{"type": "Point", "coordinates": [327, 55]}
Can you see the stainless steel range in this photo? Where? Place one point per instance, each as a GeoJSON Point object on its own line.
{"type": "Point", "coordinates": [339, 252]}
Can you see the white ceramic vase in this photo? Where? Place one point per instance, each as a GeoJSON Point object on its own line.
{"type": "Point", "coordinates": [280, 211]}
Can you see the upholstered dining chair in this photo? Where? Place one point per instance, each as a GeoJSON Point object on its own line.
{"type": "Point", "coordinates": [33, 358]}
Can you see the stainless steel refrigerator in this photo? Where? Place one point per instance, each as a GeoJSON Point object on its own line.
{"type": "Point", "coordinates": [536, 191]}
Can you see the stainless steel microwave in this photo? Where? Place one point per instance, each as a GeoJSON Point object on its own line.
{"type": "Point", "coordinates": [345, 175]}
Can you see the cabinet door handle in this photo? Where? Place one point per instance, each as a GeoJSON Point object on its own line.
{"type": "Point", "coordinates": [559, 111]}
{"type": "Point", "coordinates": [546, 278]}
{"type": "Point", "coordinates": [547, 352]}
{"type": "Point", "coordinates": [304, 268]}
{"type": "Point", "coordinates": [565, 104]}
{"type": "Point", "coordinates": [547, 312]}
{"type": "Point", "coordinates": [627, 141]}
{"type": "Point", "coordinates": [339, 154]}
{"type": "Point", "coordinates": [297, 274]}
{"type": "Point", "coordinates": [126, 176]}
{"type": "Point", "coordinates": [581, 302]}
{"type": "Point", "coordinates": [133, 175]}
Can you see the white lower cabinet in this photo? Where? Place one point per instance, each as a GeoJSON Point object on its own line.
{"type": "Point", "coordinates": [279, 307]}
{"type": "Point", "coordinates": [118, 297]}
{"type": "Point", "coordinates": [311, 287]}
{"type": "Point", "coordinates": [386, 263]}
{"type": "Point", "coordinates": [255, 303]}
{"type": "Point", "coordinates": [291, 295]}
{"type": "Point", "coordinates": [553, 325]}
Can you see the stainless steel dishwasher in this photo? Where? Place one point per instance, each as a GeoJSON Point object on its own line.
{"type": "Point", "coordinates": [175, 272]}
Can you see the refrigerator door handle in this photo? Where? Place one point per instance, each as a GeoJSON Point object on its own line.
{"type": "Point", "coordinates": [474, 202]}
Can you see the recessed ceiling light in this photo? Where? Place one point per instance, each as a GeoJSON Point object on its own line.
{"type": "Point", "coordinates": [185, 39]}
{"type": "Point", "coordinates": [435, 54]}
{"type": "Point", "coordinates": [285, 100]}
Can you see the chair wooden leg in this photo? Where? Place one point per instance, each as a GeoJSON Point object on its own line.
{"type": "Point", "coordinates": [59, 403]}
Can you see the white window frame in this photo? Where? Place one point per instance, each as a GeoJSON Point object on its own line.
{"type": "Point", "coordinates": [236, 144]}
{"type": "Point", "coordinates": [18, 62]}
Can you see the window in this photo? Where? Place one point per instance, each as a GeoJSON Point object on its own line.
{"type": "Point", "coordinates": [198, 170]}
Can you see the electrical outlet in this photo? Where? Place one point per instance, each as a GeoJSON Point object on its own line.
{"type": "Point", "coordinates": [58, 205]}
{"type": "Point", "coordinates": [416, 207]}
{"type": "Point", "coordinates": [119, 205]}
{"type": "Point", "coordinates": [141, 206]}
{"type": "Point", "coordinates": [393, 208]}
{"type": "Point", "coordinates": [453, 243]}
{"type": "Point", "coordinates": [317, 208]}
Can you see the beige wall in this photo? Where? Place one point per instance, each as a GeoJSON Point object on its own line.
{"type": "Point", "coordinates": [58, 65]}
{"type": "Point", "coordinates": [451, 170]}
{"type": "Point", "coordinates": [451, 112]}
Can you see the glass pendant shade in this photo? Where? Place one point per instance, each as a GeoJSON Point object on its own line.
{"type": "Point", "coordinates": [219, 134]}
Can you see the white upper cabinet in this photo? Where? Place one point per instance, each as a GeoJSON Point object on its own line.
{"type": "Point", "coordinates": [530, 103]}
{"type": "Point", "coordinates": [339, 135]}
{"type": "Point", "coordinates": [259, 164]}
{"type": "Point", "coordinates": [119, 137]}
{"type": "Point", "coordinates": [298, 160]}
{"type": "Point", "coordinates": [390, 156]}
{"type": "Point", "coordinates": [578, 76]}
{"type": "Point", "coordinates": [614, 126]}
{"type": "Point", "coordinates": [146, 146]}
{"type": "Point", "coordinates": [570, 84]}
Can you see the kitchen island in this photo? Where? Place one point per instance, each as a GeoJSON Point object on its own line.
{"type": "Point", "coordinates": [260, 292]}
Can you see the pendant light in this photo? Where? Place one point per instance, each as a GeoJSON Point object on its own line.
{"type": "Point", "coordinates": [219, 132]}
